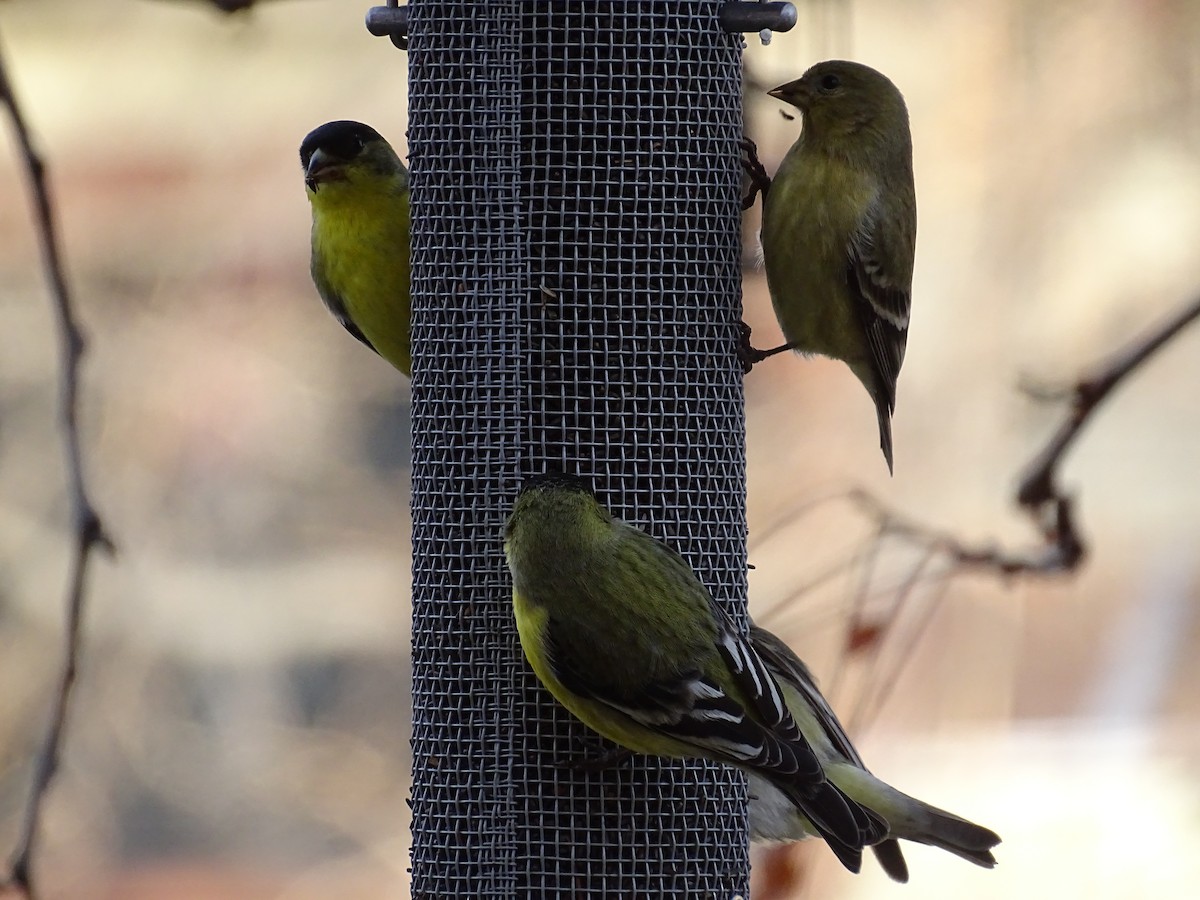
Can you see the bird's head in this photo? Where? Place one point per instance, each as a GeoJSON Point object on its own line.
{"type": "Point", "coordinates": [838, 99]}
{"type": "Point", "coordinates": [346, 152]}
{"type": "Point", "coordinates": [555, 501]}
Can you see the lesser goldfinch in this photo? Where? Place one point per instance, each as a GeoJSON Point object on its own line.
{"type": "Point", "coordinates": [622, 632]}
{"type": "Point", "coordinates": [358, 189]}
{"type": "Point", "coordinates": [774, 818]}
{"type": "Point", "coordinates": [839, 229]}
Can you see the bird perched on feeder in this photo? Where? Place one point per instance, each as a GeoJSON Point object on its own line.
{"type": "Point", "coordinates": [839, 229]}
{"type": "Point", "coordinates": [358, 190]}
{"type": "Point", "coordinates": [621, 631]}
{"type": "Point", "coordinates": [773, 817]}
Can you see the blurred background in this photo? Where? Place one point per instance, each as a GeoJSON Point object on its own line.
{"type": "Point", "coordinates": [240, 729]}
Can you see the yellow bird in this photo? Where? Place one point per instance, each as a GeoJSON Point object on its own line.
{"type": "Point", "coordinates": [358, 190]}
{"type": "Point", "coordinates": [840, 228]}
{"type": "Point", "coordinates": [622, 632]}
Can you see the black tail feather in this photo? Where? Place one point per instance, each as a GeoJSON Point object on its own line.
{"type": "Point", "coordinates": [891, 860]}
{"type": "Point", "coordinates": [846, 826]}
{"type": "Point", "coordinates": [884, 414]}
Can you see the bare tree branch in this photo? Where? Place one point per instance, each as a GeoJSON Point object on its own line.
{"type": "Point", "coordinates": [1045, 559]}
{"type": "Point", "coordinates": [1060, 548]}
{"type": "Point", "coordinates": [88, 530]}
{"type": "Point", "coordinates": [1038, 488]}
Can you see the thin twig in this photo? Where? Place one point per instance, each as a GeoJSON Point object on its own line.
{"type": "Point", "coordinates": [797, 512]}
{"type": "Point", "coordinates": [88, 530]}
{"type": "Point", "coordinates": [850, 562]}
{"type": "Point", "coordinates": [959, 554]}
{"type": "Point", "coordinates": [872, 702]}
{"type": "Point", "coordinates": [858, 604]}
{"type": "Point", "coordinates": [1038, 490]}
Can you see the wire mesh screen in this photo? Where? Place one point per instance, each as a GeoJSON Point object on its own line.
{"type": "Point", "coordinates": [575, 293]}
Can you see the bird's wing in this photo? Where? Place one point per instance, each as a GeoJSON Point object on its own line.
{"type": "Point", "coordinates": [787, 667]}
{"type": "Point", "coordinates": [693, 708]}
{"type": "Point", "coordinates": [886, 294]}
{"type": "Point", "coordinates": [337, 306]}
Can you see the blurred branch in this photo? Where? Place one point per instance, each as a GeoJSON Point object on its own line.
{"type": "Point", "coordinates": [1061, 548]}
{"type": "Point", "coordinates": [1046, 559]}
{"type": "Point", "coordinates": [88, 530]}
{"type": "Point", "coordinates": [1038, 491]}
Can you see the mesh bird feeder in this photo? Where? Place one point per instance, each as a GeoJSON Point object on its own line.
{"type": "Point", "coordinates": [576, 288]}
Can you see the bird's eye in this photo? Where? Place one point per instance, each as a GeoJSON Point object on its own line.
{"type": "Point", "coordinates": [830, 82]}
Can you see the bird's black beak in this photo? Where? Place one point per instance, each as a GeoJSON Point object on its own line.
{"type": "Point", "coordinates": [794, 92]}
{"type": "Point", "coordinates": [322, 167]}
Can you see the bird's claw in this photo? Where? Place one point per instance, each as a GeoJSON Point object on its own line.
{"type": "Point", "coordinates": [749, 355]}
{"type": "Point", "coordinates": [746, 353]}
{"type": "Point", "coordinates": [760, 181]}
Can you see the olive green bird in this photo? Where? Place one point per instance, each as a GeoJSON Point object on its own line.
{"type": "Point", "coordinates": [773, 817]}
{"type": "Point", "coordinates": [358, 190]}
{"type": "Point", "coordinates": [620, 630]}
{"type": "Point", "coordinates": [839, 229]}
